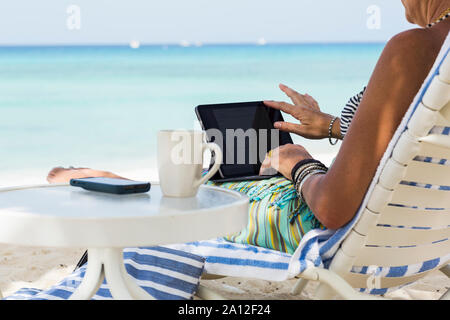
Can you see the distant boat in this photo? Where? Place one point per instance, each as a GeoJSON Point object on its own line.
{"type": "Point", "coordinates": [198, 43]}
{"type": "Point", "coordinates": [134, 44]}
{"type": "Point", "coordinates": [185, 43]}
{"type": "Point", "coordinates": [261, 41]}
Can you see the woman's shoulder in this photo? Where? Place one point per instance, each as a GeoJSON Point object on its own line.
{"type": "Point", "coordinates": [415, 47]}
{"type": "Point", "coordinates": [416, 34]}
{"type": "Point", "coordinates": [415, 42]}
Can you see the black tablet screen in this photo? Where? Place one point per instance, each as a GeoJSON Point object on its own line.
{"type": "Point", "coordinates": [245, 133]}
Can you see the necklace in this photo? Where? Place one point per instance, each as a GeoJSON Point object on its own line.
{"type": "Point", "coordinates": [442, 17]}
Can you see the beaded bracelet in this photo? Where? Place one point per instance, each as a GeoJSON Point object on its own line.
{"type": "Point", "coordinates": [303, 170]}
{"type": "Point", "coordinates": [301, 176]}
{"type": "Point", "coordinates": [301, 163]}
{"type": "Point", "coordinates": [330, 132]}
{"type": "Point", "coordinates": [300, 186]}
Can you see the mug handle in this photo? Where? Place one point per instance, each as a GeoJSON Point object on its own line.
{"type": "Point", "coordinates": [217, 162]}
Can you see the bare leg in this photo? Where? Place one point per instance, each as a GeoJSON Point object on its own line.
{"type": "Point", "coordinates": [63, 175]}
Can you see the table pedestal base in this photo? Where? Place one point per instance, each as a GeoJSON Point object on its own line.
{"type": "Point", "coordinates": [108, 262]}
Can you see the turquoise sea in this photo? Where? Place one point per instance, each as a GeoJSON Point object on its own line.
{"type": "Point", "coordinates": [101, 106]}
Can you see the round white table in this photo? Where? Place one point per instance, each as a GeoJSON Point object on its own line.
{"type": "Point", "coordinates": [65, 216]}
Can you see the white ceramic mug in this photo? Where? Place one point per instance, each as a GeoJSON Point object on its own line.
{"type": "Point", "coordinates": [180, 162]}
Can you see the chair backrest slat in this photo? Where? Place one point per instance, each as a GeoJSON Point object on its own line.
{"type": "Point", "coordinates": [388, 257]}
{"type": "Point", "coordinates": [421, 197]}
{"type": "Point", "coordinates": [413, 217]}
{"type": "Point", "coordinates": [433, 151]}
{"type": "Point", "coordinates": [435, 173]}
{"type": "Point", "coordinates": [384, 235]}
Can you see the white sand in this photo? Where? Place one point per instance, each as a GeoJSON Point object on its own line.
{"type": "Point", "coordinates": [33, 267]}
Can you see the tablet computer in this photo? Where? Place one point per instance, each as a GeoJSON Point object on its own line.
{"type": "Point", "coordinates": [245, 133]}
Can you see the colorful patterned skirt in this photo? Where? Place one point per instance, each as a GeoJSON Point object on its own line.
{"type": "Point", "coordinates": [276, 219]}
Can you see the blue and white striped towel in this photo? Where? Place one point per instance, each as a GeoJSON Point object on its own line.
{"type": "Point", "coordinates": [318, 247]}
{"type": "Point", "coordinates": [242, 260]}
{"type": "Point", "coordinates": [165, 273]}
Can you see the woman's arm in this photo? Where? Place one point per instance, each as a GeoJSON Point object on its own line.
{"type": "Point", "coordinates": [403, 66]}
{"type": "Point", "coordinates": [335, 197]}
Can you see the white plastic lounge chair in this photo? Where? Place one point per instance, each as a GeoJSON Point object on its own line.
{"type": "Point", "coordinates": [401, 231]}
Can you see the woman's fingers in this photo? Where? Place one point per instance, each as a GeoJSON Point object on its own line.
{"type": "Point", "coordinates": [298, 98]}
{"type": "Point", "coordinates": [283, 106]}
{"type": "Point", "coordinates": [270, 163]}
{"type": "Point", "coordinates": [266, 165]}
{"type": "Point", "coordinates": [292, 94]}
{"type": "Point", "coordinates": [313, 103]}
{"type": "Point", "coordinates": [306, 110]}
{"type": "Point", "coordinates": [283, 159]}
{"type": "Point", "coordinates": [303, 100]}
{"type": "Point", "coordinates": [289, 127]}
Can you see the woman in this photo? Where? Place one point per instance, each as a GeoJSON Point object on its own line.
{"type": "Point", "coordinates": [334, 195]}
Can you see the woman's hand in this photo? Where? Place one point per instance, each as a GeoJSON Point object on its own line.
{"type": "Point", "coordinates": [314, 124]}
{"type": "Point", "coordinates": [284, 158]}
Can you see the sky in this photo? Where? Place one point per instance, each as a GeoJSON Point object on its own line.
{"type": "Point", "coordinates": [63, 22]}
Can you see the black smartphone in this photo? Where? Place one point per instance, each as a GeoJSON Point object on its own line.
{"type": "Point", "coordinates": [111, 185]}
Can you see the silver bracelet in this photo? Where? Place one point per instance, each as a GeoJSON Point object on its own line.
{"type": "Point", "coordinates": [330, 132]}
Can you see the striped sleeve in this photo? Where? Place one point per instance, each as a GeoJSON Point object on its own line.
{"type": "Point", "coordinates": [349, 111]}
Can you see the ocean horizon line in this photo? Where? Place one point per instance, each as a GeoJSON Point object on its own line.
{"type": "Point", "coordinates": [191, 45]}
{"type": "Point", "coordinates": [101, 107]}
